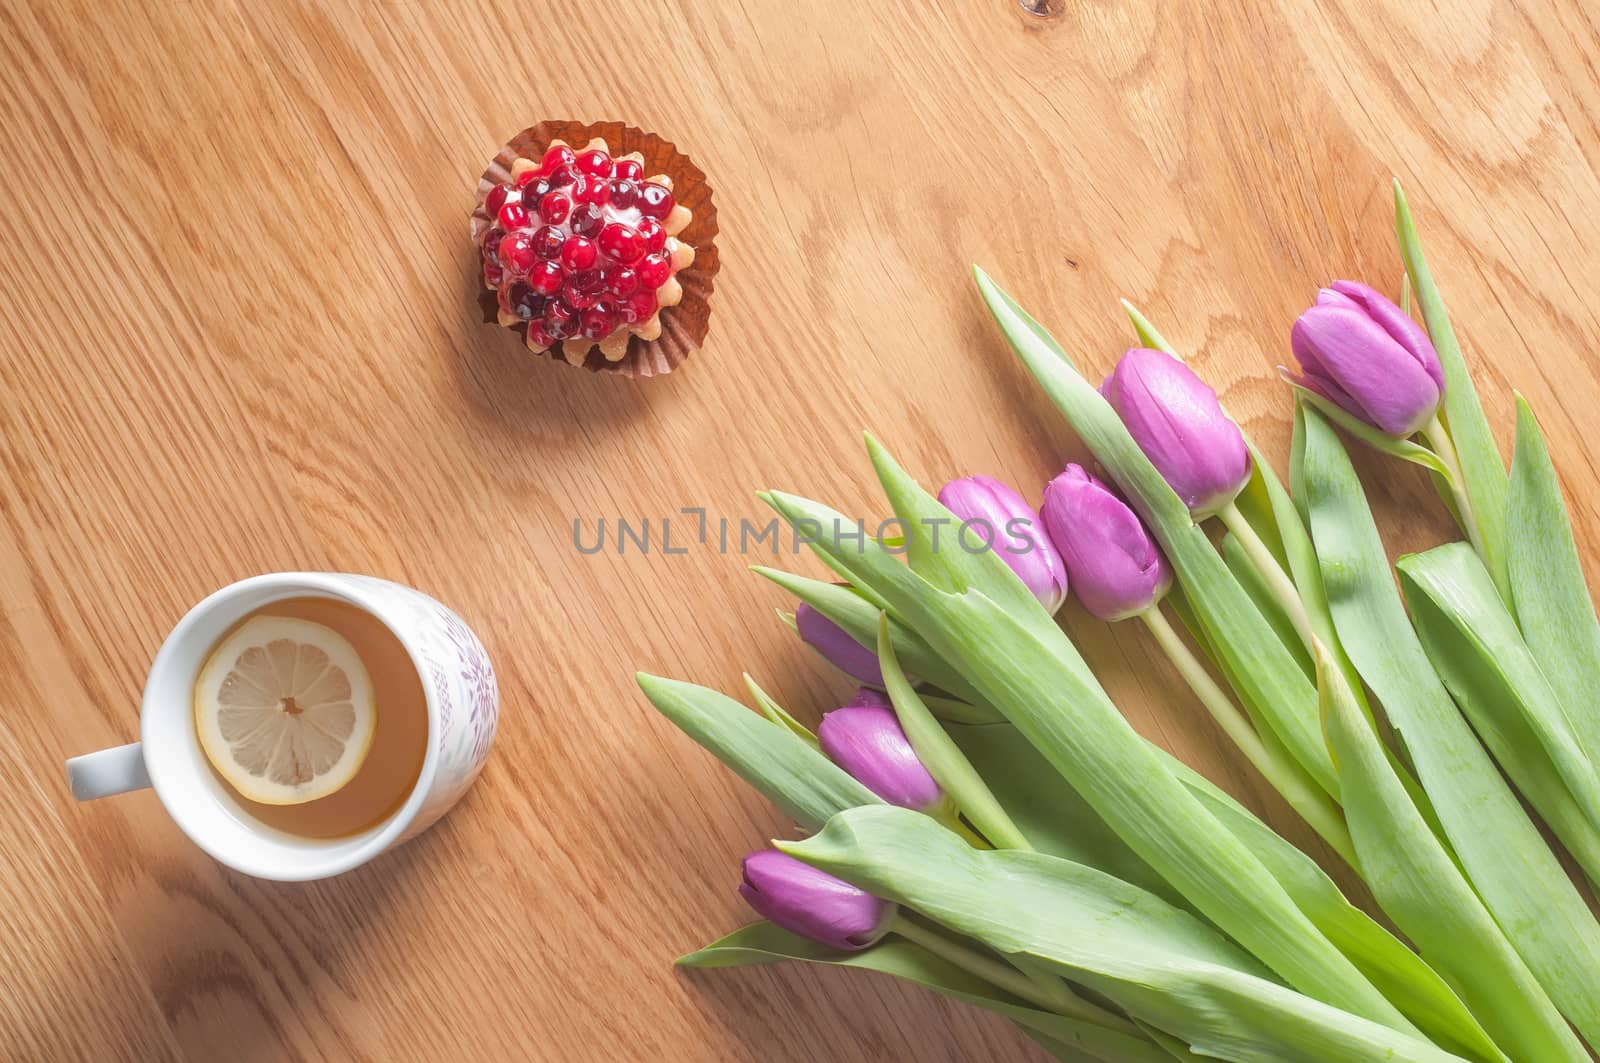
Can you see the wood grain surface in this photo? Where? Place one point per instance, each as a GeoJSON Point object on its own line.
{"type": "Point", "coordinates": [238, 333]}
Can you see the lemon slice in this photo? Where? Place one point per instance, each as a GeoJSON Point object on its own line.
{"type": "Point", "coordinates": [284, 709]}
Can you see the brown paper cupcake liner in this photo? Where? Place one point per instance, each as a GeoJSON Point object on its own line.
{"type": "Point", "coordinates": [683, 327]}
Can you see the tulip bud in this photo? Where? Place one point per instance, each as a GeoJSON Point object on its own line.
{"type": "Point", "coordinates": [1358, 349]}
{"type": "Point", "coordinates": [865, 739]}
{"type": "Point", "coordinates": [1179, 424]}
{"type": "Point", "coordinates": [998, 516]}
{"type": "Point", "coordinates": [812, 903]}
{"type": "Point", "coordinates": [1115, 568]}
{"type": "Point", "coordinates": [835, 643]}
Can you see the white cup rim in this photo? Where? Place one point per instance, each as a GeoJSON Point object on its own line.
{"type": "Point", "coordinates": [316, 858]}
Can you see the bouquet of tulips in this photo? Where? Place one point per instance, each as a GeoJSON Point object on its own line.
{"type": "Point", "coordinates": [983, 821]}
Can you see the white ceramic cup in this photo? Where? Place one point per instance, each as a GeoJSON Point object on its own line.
{"type": "Point", "coordinates": [463, 706]}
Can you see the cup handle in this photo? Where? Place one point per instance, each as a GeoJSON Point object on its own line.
{"type": "Point", "coordinates": [110, 771]}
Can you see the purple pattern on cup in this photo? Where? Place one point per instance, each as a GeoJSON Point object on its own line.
{"type": "Point", "coordinates": [483, 695]}
{"type": "Point", "coordinates": [441, 690]}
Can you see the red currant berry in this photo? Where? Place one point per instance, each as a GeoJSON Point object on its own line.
{"type": "Point", "coordinates": [624, 194]}
{"type": "Point", "coordinates": [576, 299]}
{"type": "Point", "coordinates": [554, 207]}
{"type": "Point", "coordinates": [587, 284]}
{"type": "Point", "coordinates": [620, 280]}
{"type": "Point", "coordinates": [558, 155]}
{"type": "Point", "coordinates": [491, 242]}
{"type": "Point", "coordinates": [492, 273]}
{"type": "Point", "coordinates": [628, 170]}
{"type": "Point", "coordinates": [513, 216]}
{"type": "Point", "coordinates": [596, 324]}
{"type": "Point", "coordinates": [594, 190]}
{"type": "Point", "coordinates": [654, 271]}
{"type": "Point", "coordinates": [654, 200]}
{"type": "Point", "coordinates": [586, 219]}
{"type": "Point", "coordinates": [562, 176]}
{"type": "Point", "coordinates": [495, 199]}
{"type": "Point", "coordinates": [528, 177]}
{"type": "Point", "coordinates": [640, 306]}
{"type": "Point", "coordinates": [621, 243]}
{"type": "Point", "coordinates": [539, 336]}
{"type": "Point", "coordinates": [525, 302]}
{"type": "Point", "coordinates": [546, 278]}
{"type": "Point", "coordinates": [655, 237]}
{"type": "Point", "coordinates": [578, 252]}
{"type": "Point", "coordinates": [595, 162]}
{"type": "Point", "coordinates": [516, 253]}
{"type": "Point", "coordinates": [547, 241]}
{"type": "Point", "coordinates": [559, 318]}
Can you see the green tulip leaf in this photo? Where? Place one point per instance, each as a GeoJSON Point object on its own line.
{"type": "Point", "coordinates": [1499, 847]}
{"type": "Point", "coordinates": [1375, 438]}
{"type": "Point", "coordinates": [777, 713]}
{"type": "Point", "coordinates": [1548, 588]}
{"type": "Point", "coordinates": [1060, 1050]}
{"type": "Point", "coordinates": [1440, 586]}
{"type": "Point", "coordinates": [1309, 574]}
{"type": "Point", "coordinates": [1424, 997]}
{"type": "Point", "coordinates": [764, 943]}
{"type": "Point", "coordinates": [1059, 822]}
{"type": "Point", "coordinates": [1158, 963]}
{"type": "Point", "coordinates": [791, 773]}
{"type": "Point", "coordinates": [951, 710]}
{"type": "Point", "coordinates": [1174, 1047]}
{"type": "Point", "coordinates": [1483, 470]}
{"type": "Point", "coordinates": [944, 759]}
{"type": "Point", "coordinates": [1048, 812]}
{"type": "Point", "coordinates": [1146, 331]}
{"type": "Point", "coordinates": [1472, 639]}
{"type": "Point", "coordinates": [1422, 890]}
{"type": "Point", "coordinates": [1333, 639]}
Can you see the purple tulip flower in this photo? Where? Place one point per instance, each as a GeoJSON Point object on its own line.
{"type": "Point", "coordinates": [994, 514]}
{"type": "Point", "coordinates": [812, 903]}
{"type": "Point", "coordinates": [866, 740]}
{"type": "Point", "coordinates": [1358, 349]}
{"type": "Point", "coordinates": [1179, 424]}
{"type": "Point", "coordinates": [835, 644]}
{"type": "Point", "coordinates": [1117, 571]}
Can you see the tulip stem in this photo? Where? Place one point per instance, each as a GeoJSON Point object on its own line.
{"type": "Point", "coordinates": [1302, 793]}
{"type": "Point", "coordinates": [1051, 994]}
{"type": "Point", "coordinates": [1438, 437]}
{"type": "Point", "coordinates": [1272, 572]}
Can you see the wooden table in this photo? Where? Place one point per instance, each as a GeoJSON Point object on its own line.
{"type": "Point", "coordinates": [240, 335]}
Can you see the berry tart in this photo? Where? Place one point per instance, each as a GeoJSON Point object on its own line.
{"type": "Point", "coordinates": [595, 243]}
